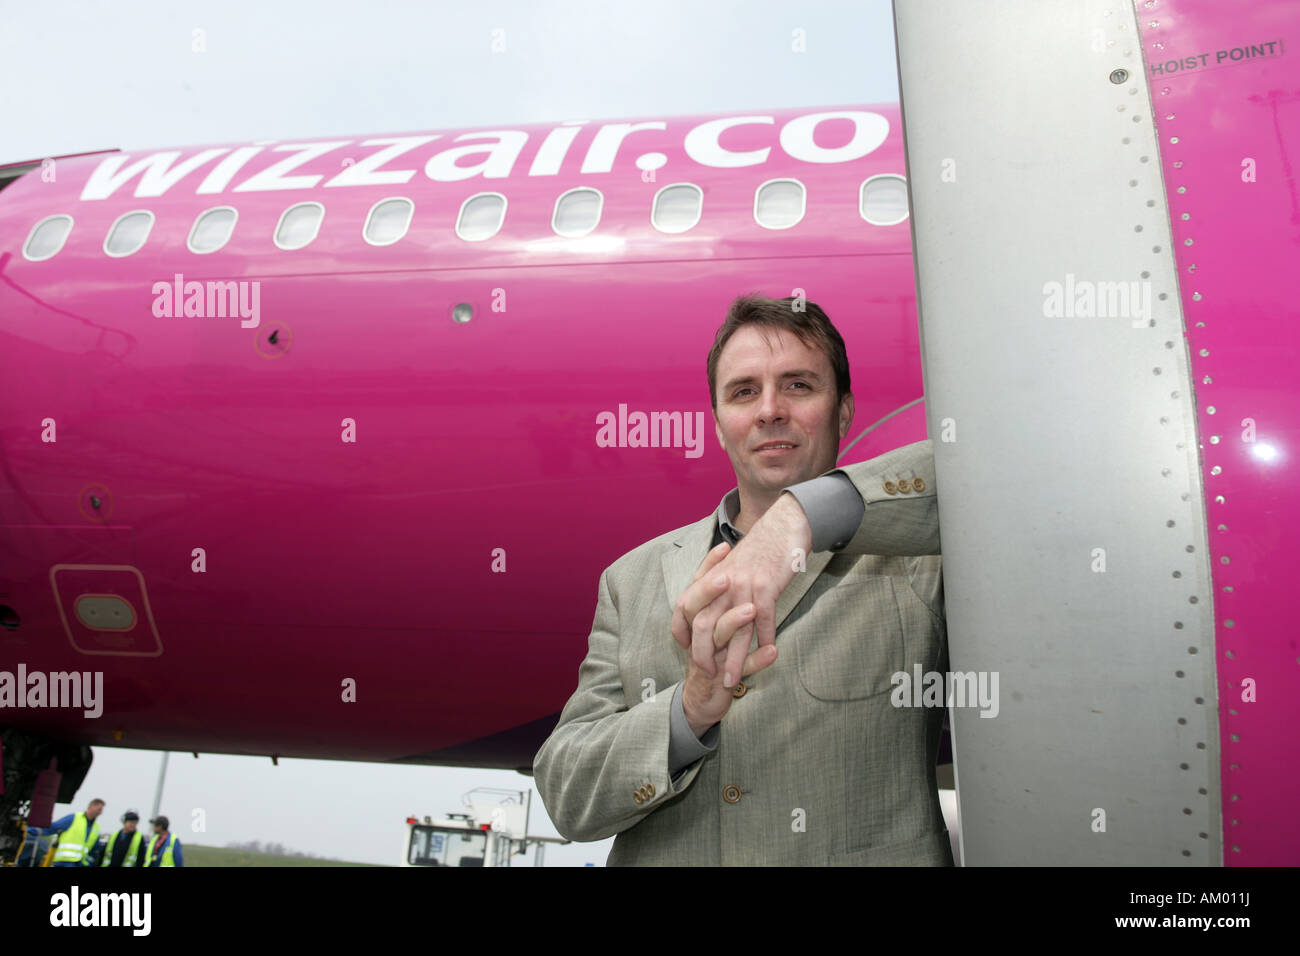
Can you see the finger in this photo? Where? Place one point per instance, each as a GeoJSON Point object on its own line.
{"type": "Point", "coordinates": [694, 599]}
{"type": "Point", "coordinates": [702, 649]}
{"type": "Point", "coordinates": [711, 559]}
{"type": "Point", "coordinates": [680, 629]}
{"type": "Point", "coordinates": [739, 644]}
{"type": "Point", "coordinates": [764, 601]}
{"type": "Point", "coordinates": [682, 616]}
{"type": "Point", "coordinates": [736, 653]}
{"type": "Point", "coordinates": [729, 623]}
{"type": "Point", "coordinates": [761, 658]}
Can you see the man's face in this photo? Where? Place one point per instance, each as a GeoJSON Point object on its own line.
{"type": "Point", "coordinates": [774, 389]}
{"type": "Point", "coordinates": [94, 811]}
{"type": "Point", "coordinates": [130, 825]}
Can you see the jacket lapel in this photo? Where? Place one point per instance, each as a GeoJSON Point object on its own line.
{"type": "Point", "coordinates": [683, 558]}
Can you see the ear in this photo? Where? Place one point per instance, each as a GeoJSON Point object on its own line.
{"type": "Point", "coordinates": [846, 414]}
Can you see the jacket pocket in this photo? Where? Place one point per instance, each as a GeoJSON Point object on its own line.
{"type": "Point", "coordinates": [850, 643]}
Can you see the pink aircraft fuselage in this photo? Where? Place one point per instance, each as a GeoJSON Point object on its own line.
{"type": "Point", "coordinates": [383, 494]}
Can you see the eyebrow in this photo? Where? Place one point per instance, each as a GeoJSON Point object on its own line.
{"type": "Point", "coordinates": [750, 379]}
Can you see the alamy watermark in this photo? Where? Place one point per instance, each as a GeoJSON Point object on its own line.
{"type": "Point", "coordinates": [651, 430]}
{"type": "Point", "coordinates": [75, 908]}
{"type": "Point", "coordinates": [946, 689]}
{"type": "Point", "coordinates": [1085, 299]}
{"type": "Point", "coordinates": [84, 689]}
{"type": "Point", "coordinates": [211, 299]}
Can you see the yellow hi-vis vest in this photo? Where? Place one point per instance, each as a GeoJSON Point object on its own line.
{"type": "Point", "coordinates": [168, 859]}
{"type": "Point", "coordinates": [77, 840]}
{"type": "Point", "coordinates": [131, 851]}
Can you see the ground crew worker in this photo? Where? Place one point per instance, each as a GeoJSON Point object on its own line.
{"type": "Point", "coordinates": [164, 849]}
{"type": "Point", "coordinates": [78, 834]}
{"type": "Point", "coordinates": [126, 846]}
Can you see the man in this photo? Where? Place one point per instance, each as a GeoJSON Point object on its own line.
{"type": "Point", "coordinates": [164, 849]}
{"type": "Point", "coordinates": [126, 846]}
{"type": "Point", "coordinates": [78, 834]}
{"type": "Point", "coordinates": [792, 754]}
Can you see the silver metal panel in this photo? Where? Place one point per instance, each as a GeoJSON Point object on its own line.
{"type": "Point", "coordinates": [1062, 441]}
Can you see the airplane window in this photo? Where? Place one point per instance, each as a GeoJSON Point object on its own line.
{"type": "Point", "coordinates": [677, 207]}
{"type": "Point", "coordinates": [212, 229]}
{"type": "Point", "coordinates": [481, 216]}
{"type": "Point", "coordinates": [299, 225]}
{"type": "Point", "coordinates": [883, 201]}
{"type": "Point", "coordinates": [128, 233]}
{"type": "Point", "coordinates": [577, 212]}
{"type": "Point", "coordinates": [779, 204]}
{"type": "Point", "coordinates": [388, 221]}
{"type": "Point", "coordinates": [47, 237]}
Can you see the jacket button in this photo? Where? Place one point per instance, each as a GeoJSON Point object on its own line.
{"type": "Point", "coordinates": [890, 488]}
{"type": "Point", "coordinates": [636, 796]}
{"type": "Point", "coordinates": [918, 484]}
{"type": "Point", "coordinates": [739, 690]}
{"type": "Point", "coordinates": [904, 485]}
{"type": "Point", "coordinates": [731, 793]}
{"type": "Point", "coordinates": [649, 790]}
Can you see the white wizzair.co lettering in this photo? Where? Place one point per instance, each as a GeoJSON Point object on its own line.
{"type": "Point", "coordinates": [273, 177]}
{"type": "Point", "coordinates": [365, 171]}
{"type": "Point", "coordinates": [497, 153]}
{"type": "Point", "coordinates": [155, 172]}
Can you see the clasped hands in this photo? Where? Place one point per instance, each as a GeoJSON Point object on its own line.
{"type": "Point", "coordinates": [734, 592]}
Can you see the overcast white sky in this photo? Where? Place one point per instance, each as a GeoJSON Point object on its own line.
{"type": "Point", "coordinates": [83, 76]}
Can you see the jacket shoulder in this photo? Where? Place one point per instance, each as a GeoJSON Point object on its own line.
{"type": "Point", "coordinates": [651, 552]}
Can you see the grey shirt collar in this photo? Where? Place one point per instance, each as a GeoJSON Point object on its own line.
{"type": "Point", "coordinates": [728, 508]}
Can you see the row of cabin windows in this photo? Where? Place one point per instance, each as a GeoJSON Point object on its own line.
{"type": "Point", "coordinates": [778, 204]}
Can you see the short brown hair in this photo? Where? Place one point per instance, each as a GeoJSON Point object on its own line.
{"type": "Point", "coordinates": [811, 326]}
{"type": "Point", "coordinates": [93, 803]}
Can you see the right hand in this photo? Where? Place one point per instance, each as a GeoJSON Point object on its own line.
{"type": "Point", "coordinates": [705, 699]}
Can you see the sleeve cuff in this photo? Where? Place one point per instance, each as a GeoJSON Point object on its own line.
{"type": "Point", "coordinates": [834, 509]}
{"type": "Point", "coordinates": [684, 748]}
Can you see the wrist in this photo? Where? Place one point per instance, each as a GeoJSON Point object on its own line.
{"type": "Point", "coordinates": [795, 520]}
{"type": "Point", "coordinates": [699, 725]}
{"type": "Point", "coordinates": [699, 729]}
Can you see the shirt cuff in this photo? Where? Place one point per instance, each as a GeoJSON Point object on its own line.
{"type": "Point", "coordinates": [834, 508]}
{"type": "Point", "coordinates": [684, 748]}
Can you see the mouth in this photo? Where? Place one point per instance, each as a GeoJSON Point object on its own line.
{"type": "Point", "coordinates": [774, 449]}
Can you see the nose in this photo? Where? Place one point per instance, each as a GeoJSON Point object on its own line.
{"type": "Point", "coordinates": [772, 406]}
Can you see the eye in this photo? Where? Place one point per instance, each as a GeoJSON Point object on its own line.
{"type": "Point", "coordinates": [804, 384]}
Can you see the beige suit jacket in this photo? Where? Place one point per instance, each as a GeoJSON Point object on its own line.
{"type": "Point", "coordinates": [813, 765]}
